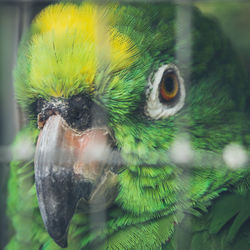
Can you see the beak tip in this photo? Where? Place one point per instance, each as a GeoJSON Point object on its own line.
{"type": "Point", "coordinates": [62, 242]}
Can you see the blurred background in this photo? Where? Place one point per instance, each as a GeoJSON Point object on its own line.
{"type": "Point", "coordinates": [15, 17]}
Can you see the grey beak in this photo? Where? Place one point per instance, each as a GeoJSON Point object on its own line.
{"type": "Point", "coordinates": [65, 172]}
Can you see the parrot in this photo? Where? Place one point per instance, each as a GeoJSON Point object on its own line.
{"type": "Point", "coordinates": [134, 148]}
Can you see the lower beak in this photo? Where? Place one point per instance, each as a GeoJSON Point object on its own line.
{"type": "Point", "coordinates": [70, 166]}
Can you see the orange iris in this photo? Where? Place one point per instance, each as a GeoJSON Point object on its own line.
{"type": "Point", "coordinates": [169, 86]}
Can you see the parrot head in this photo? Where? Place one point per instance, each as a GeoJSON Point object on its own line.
{"type": "Point", "coordinates": [110, 97]}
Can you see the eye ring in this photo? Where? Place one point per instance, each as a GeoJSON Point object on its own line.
{"type": "Point", "coordinates": [165, 93]}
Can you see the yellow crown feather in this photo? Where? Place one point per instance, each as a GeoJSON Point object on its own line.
{"type": "Point", "coordinates": [71, 43]}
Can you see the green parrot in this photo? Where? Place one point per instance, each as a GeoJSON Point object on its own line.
{"type": "Point", "coordinates": [135, 148]}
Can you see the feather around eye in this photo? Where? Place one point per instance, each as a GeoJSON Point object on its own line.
{"type": "Point", "coordinates": [165, 93]}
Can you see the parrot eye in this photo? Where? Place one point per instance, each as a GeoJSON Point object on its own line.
{"type": "Point", "coordinates": [169, 87]}
{"type": "Point", "coordinates": [165, 93]}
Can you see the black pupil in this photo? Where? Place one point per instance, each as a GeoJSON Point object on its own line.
{"type": "Point", "coordinates": [169, 83]}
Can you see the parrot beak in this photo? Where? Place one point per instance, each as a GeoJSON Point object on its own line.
{"type": "Point", "coordinates": [71, 166]}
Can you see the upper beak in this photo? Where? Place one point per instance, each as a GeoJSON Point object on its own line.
{"type": "Point", "coordinates": [70, 166]}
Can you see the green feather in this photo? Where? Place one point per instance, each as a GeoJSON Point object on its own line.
{"type": "Point", "coordinates": [160, 204]}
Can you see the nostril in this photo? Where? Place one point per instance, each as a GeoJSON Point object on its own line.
{"type": "Point", "coordinates": [40, 120]}
{"type": "Point", "coordinates": [44, 115]}
{"type": "Point", "coordinates": [49, 112]}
